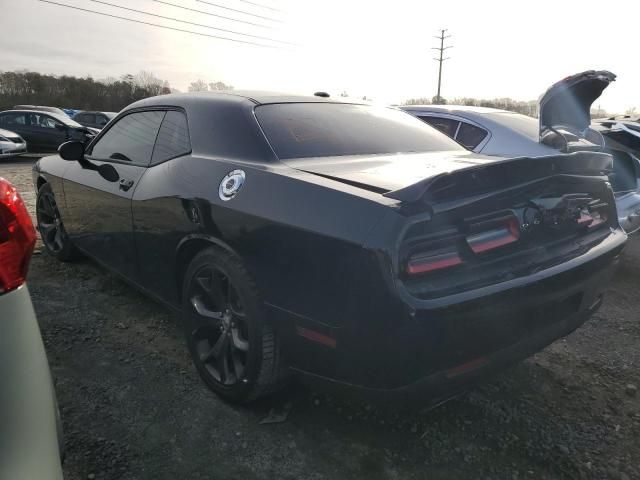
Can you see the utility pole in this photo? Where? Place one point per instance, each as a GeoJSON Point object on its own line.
{"type": "Point", "coordinates": [441, 48]}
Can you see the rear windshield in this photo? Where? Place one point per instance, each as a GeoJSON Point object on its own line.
{"type": "Point", "coordinates": [302, 130]}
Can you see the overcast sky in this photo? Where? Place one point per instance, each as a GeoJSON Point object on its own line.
{"type": "Point", "coordinates": [379, 49]}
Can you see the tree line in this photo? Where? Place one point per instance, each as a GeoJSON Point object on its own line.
{"type": "Point", "coordinates": [110, 94]}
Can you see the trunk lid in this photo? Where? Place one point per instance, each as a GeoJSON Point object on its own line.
{"type": "Point", "coordinates": [384, 173]}
{"type": "Point", "coordinates": [568, 102]}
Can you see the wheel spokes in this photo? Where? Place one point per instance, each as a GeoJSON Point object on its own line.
{"type": "Point", "coordinates": [237, 341]}
{"type": "Point", "coordinates": [202, 310]}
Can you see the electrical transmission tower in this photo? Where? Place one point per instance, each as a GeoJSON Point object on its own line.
{"type": "Point", "coordinates": [441, 48]}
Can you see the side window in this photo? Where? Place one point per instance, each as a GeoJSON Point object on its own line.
{"type": "Point", "coordinates": [9, 119]}
{"type": "Point", "coordinates": [173, 138]}
{"type": "Point", "coordinates": [130, 139]}
{"type": "Point", "coordinates": [101, 120]}
{"type": "Point", "coordinates": [470, 136]}
{"type": "Point", "coordinates": [447, 126]}
{"type": "Point", "coordinates": [44, 121]}
{"type": "Point", "coordinates": [85, 118]}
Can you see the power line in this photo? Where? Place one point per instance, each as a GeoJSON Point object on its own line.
{"type": "Point", "coordinates": [260, 5]}
{"type": "Point", "coordinates": [441, 48]}
{"type": "Point", "coordinates": [190, 23]}
{"type": "Point", "coordinates": [212, 14]}
{"type": "Point", "coordinates": [240, 11]}
{"type": "Point", "coordinates": [159, 26]}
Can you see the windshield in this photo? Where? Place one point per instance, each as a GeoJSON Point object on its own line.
{"type": "Point", "coordinates": [64, 119]}
{"type": "Point", "coordinates": [527, 126]}
{"type": "Point", "coordinates": [303, 130]}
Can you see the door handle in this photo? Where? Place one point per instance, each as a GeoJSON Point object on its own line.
{"type": "Point", "coordinates": [125, 184]}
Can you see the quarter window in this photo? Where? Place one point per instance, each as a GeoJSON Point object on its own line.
{"type": "Point", "coordinates": [470, 136]}
{"type": "Point", "coordinates": [131, 139]}
{"type": "Point", "coordinates": [173, 138]}
{"type": "Point", "coordinates": [447, 126]}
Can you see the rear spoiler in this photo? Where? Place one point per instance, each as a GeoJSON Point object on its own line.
{"type": "Point", "coordinates": [504, 173]}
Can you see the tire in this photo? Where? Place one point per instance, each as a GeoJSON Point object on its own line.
{"type": "Point", "coordinates": [219, 297]}
{"type": "Point", "coordinates": [54, 237]}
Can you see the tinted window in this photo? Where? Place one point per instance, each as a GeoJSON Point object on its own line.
{"type": "Point", "coordinates": [16, 119]}
{"type": "Point", "coordinates": [84, 118]}
{"type": "Point", "coordinates": [101, 120]}
{"type": "Point", "coordinates": [173, 138]}
{"type": "Point", "coordinates": [300, 130]}
{"type": "Point", "coordinates": [43, 121]}
{"type": "Point", "coordinates": [445, 125]}
{"type": "Point", "coordinates": [470, 136]}
{"type": "Point", "coordinates": [131, 138]}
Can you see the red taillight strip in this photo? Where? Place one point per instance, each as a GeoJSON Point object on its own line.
{"type": "Point", "coordinates": [316, 337]}
{"type": "Point", "coordinates": [498, 237]}
{"type": "Point", "coordinates": [425, 264]}
{"type": "Point", "coordinates": [17, 238]}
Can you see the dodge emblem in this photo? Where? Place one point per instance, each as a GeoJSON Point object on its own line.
{"type": "Point", "coordinates": [231, 184]}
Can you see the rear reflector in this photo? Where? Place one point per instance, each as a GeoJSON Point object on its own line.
{"type": "Point", "coordinates": [494, 238]}
{"type": "Point", "coordinates": [17, 238]}
{"type": "Point", "coordinates": [466, 367]}
{"type": "Point", "coordinates": [423, 264]}
{"type": "Point", "coordinates": [316, 337]}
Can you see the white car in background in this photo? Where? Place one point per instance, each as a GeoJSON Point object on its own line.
{"type": "Point", "coordinates": [11, 144]}
{"type": "Point", "coordinates": [564, 126]}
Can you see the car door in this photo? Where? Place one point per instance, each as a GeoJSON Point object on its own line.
{"type": "Point", "coordinates": [16, 122]}
{"type": "Point", "coordinates": [98, 191]}
{"type": "Point", "coordinates": [47, 132]}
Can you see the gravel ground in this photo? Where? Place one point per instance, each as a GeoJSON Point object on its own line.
{"type": "Point", "coordinates": [134, 408]}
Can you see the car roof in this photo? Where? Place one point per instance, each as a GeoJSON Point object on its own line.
{"type": "Point", "coordinates": [452, 109]}
{"type": "Point", "coordinates": [256, 97]}
{"type": "Point", "coordinates": [63, 118]}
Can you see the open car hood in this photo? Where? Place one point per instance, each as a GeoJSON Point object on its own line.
{"type": "Point", "coordinates": [568, 102]}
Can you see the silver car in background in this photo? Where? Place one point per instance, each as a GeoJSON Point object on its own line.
{"type": "Point", "coordinates": [11, 144]}
{"type": "Point", "coordinates": [564, 126]}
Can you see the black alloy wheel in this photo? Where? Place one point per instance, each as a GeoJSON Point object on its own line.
{"type": "Point", "coordinates": [218, 329]}
{"type": "Point", "coordinates": [233, 347]}
{"type": "Point", "coordinates": [50, 226]}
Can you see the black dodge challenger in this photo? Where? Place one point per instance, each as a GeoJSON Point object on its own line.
{"type": "Point", "coordinates": [352, 245]}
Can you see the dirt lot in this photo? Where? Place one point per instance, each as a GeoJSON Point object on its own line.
{"type": "Point", "coordinates": [134, 408]}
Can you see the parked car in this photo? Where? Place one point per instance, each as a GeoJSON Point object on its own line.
{"type": "Point", "coordinates": [31, 434]}
{"type": "Point", "coordinates": [564, 126]}
{"type": "Point", "coordinates": [352, 245]}
{"type": "Point", "coordinates": [11, 144]}
{"type": "Point", "coordinates": [44, 131]}
{"type": "Point", "coordinates": [94, 119]}
{"type": "Point", "coordinates": [41, 108]}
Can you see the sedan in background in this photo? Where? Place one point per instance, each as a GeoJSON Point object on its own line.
{"type": "Point", "coordinates": [564, 126]}
{"type": "Point", "coordinates": [351, 245]}
{"type": "Point", "coordinates": [94, 119]}
{"type": "Point", "coordinates": [11, 144]}
{"type": "Point", "coordinates": [30, 428]}
{"type": "Point", "coordinates": [45, 131]}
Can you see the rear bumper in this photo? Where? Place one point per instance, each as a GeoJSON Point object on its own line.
{"type": "Point", "coordinates": [437, 353]}
{"type": "Point", "coordinates": [10, 149]}
{"type": "Point", "coordinates": [440, 386]}
{"type": "Point", "coordinates": [29, 432]}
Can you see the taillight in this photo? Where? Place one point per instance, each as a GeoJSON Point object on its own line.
{"type": "Point", "coordinates": [17, 238]}
{"type": "Point", "coordinates": [498, 236]}
{"type": "Point", "coordinates": [428, 263]}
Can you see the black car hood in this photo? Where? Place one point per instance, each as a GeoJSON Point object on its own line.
{"type": "Point", "coordinates": [568, 102]}
{"type": "Point", "coordinates": [383, 173]}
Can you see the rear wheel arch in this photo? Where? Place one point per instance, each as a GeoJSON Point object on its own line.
{"type": "Point", "coordinates": [41, 181]}
{"type": "Point", "coordinates": [188, 248]}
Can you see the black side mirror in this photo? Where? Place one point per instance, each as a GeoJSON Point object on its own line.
{"type": "Point", "coordinates": [71, 151]}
